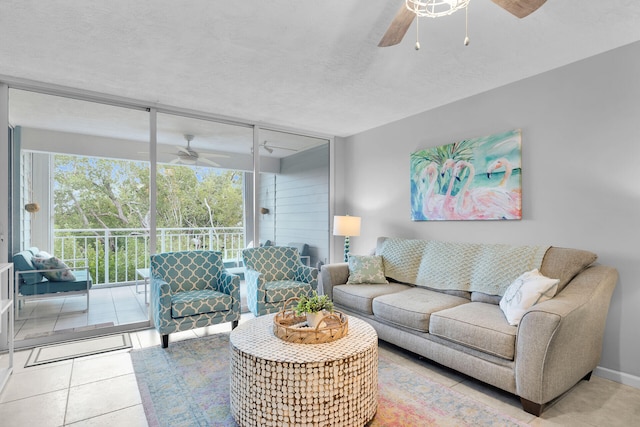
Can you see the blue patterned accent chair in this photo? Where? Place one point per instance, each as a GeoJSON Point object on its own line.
{"type": "Point", "coordinates": [273, 275]}
{"type": "Point", "coordinates": [192, 289]}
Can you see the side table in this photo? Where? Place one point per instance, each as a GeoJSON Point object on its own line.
{"type": "Point", "coordinates": [144, 274]}
{"type": "Point", "coordinates": [278, 383]}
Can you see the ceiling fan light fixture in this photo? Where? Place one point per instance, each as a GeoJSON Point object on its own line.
{"type": "Point", "coordinates": [435, 8]}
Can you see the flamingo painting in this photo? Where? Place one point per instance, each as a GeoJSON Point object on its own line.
{"type": "Point", "coordinates": [449, 182]}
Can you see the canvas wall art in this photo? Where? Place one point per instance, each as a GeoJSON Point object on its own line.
{"type": "Point", "coordinates": [473, 179]}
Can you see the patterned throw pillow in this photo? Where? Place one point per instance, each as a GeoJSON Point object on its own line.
{"type": "Point", "coordinates": [366, 269]}
{"type": "Point", "coordinates": [62, 272]}
{"type": "Point", "coordinates": [526, 291]}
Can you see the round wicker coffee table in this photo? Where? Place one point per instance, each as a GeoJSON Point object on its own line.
{"type": "Point", "coordinates": [278, 383]}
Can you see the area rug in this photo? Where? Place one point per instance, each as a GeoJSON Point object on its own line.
{"type": "Point", "coordinates": [187, 385]}
{"type": "Point", "coordinates": [78, 348]}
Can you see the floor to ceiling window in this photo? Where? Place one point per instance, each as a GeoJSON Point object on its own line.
{"type": "Point", "coordinates": [83, 192]}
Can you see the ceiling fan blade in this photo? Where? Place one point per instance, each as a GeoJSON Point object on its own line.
{"type": "Point", "coordinates": [209, 162]}
{"type": "Point", "coordinates": [182, 149]}
{"type": "Point", "coordinates": [520, 8]}
{"type": "Point", "coordinates": [398, 27]}
{"type": "Point", "coordinates": [222, 156]}
{"type": "Point", "coordinates": [174, 161]}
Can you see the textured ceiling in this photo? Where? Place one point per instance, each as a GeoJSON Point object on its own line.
{"type": "Point", "coordinates": [308, 65]}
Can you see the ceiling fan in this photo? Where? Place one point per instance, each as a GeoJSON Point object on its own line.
{"type": "Point", "coordinates": [405, 16]}
{"type": "Point", "coordinates": [189, 156]}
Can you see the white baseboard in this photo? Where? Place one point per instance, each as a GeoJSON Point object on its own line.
{"type": "Point", "coordinates": [617, 376]}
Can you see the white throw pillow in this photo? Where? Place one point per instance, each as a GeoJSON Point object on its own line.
{"type": "Point", "coordinates": [526, 291]}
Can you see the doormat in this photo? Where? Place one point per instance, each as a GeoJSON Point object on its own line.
{"type": "Point", "coordinates": [79, 348]}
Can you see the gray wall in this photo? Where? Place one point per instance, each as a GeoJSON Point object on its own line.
{"type": "Point", "coordinates": [580, 152]}
{"type": "Point", "coordinates": [298, 201]}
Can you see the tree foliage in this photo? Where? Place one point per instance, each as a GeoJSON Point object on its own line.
{"type": "Point", "coordinates": [104, 193]}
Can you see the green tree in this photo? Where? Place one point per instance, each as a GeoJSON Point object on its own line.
{"type": "Point", "coordinates": [102, 193]}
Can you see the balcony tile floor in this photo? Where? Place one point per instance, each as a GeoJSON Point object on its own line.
{"type": "Point", "coordinates": [113, 306]}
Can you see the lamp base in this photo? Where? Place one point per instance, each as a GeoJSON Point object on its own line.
{"type": "Point", "coordinates": [346, 248]}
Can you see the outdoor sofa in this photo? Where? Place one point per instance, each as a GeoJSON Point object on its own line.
{"type": "Point", "coordinates": [42, 276]}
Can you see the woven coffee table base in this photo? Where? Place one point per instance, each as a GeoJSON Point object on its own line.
{"type": "Point", "coordinates": [282, 391]}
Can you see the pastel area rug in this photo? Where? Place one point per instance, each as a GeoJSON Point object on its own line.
{"type": "Point", "coordinates": [188, 385]}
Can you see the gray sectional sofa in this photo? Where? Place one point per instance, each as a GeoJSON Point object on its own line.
{"type": "Point", "coordinates": [443, 302]}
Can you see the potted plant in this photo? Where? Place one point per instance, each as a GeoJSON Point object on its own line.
{"type": "Point", "coordinates": [315, 308]}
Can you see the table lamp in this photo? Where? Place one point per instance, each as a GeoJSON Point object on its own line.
{"type": "Point", "coordinates": [346, 226]}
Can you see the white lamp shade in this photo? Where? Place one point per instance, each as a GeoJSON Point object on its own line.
{"type": "Point", "coordinates": [346, 225]}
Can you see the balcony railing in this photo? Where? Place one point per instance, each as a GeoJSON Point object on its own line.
{"type": "Point", "coordinates": [114, 255]}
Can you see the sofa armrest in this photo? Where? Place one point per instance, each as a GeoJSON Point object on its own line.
{"type": "Point", "coordinates": [559, 341]}
{"type": "Point", "coordinates": [332, 275]}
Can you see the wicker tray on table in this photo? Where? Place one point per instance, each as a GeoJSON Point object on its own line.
{"type": "Point", "coordinates": [293, 328]}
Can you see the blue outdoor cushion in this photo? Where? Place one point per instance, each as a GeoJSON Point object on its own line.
{"type": "Point", "coordinates": [47, 287]}
{"type": "Point", "coordinates": [22, 261]}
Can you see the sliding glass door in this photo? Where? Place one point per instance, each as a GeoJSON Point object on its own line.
{"type": "Point", "coordinates": [81, 190]}
{"type": "Point", "coordinates": [98, 186]}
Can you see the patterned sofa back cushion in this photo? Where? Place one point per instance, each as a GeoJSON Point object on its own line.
{"type": "Point", "coordinates": [486, 270]}
{"type": "Point", "coordinates": [188, 270]}
{"type": "Point", "coordinates": [401, 258]}
{"type": "Point", "coordinates": [476, 267]}
{"type": "Point", "coordinates": [274, 262]}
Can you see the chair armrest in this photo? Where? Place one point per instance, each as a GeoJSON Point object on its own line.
{"type": "Point", "coordinates": [253, 276]}
{"type": "Point", "coordinates": [559, 341]}
{"type": "Point", "coordinates": [332, 275]}
{"type": "Point", "coordinates": [230, 285]}
{"type": "Point", "coordinates": [255, 284]}
{"type": "Point", "coordinates": [307, 275]}
{"type": "Point", "coordinates": [161, 301]}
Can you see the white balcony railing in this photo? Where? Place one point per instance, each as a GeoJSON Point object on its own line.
{"type": "Point", "coordinates": [115, 254]}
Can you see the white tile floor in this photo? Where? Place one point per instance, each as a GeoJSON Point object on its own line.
{"type": "Point", "coordinates": [114, 306]}
{"type": "Point", "coordinates": [101, 390]}
{"type": "Point", "coordinates": [107, 306]}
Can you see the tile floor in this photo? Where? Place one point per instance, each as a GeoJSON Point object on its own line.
{"type": "Point", "coordinates": [101, 390]}
{"type": "Point", "coordinates": [113, 306]}
{"type": "Point", "coordinates": [107, 306]}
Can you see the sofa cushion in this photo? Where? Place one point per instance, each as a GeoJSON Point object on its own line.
{"type": "Point", "coordinates": [401, 258]}
{"type": "Point", "coordinates": [476, 325]}
{"type": "Point", "coordinates": [366, 269]}
{"type": "Point", "coordinates": [82, 282]}
{"type": "Point", "coordinates": [565, 264]}
{"type": "Point", "coordinates": [190, 303]}
{"type": "Point", "coordinates": [360, 297]}
{"type": "Point", "coordinates": [412, 308]}
{"type": "Point", "coordinates": [482, 297]}
{"type": "Point", "coordinates": [526, 291]}
{"type": "Point", "coordinates": [22, 261]}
